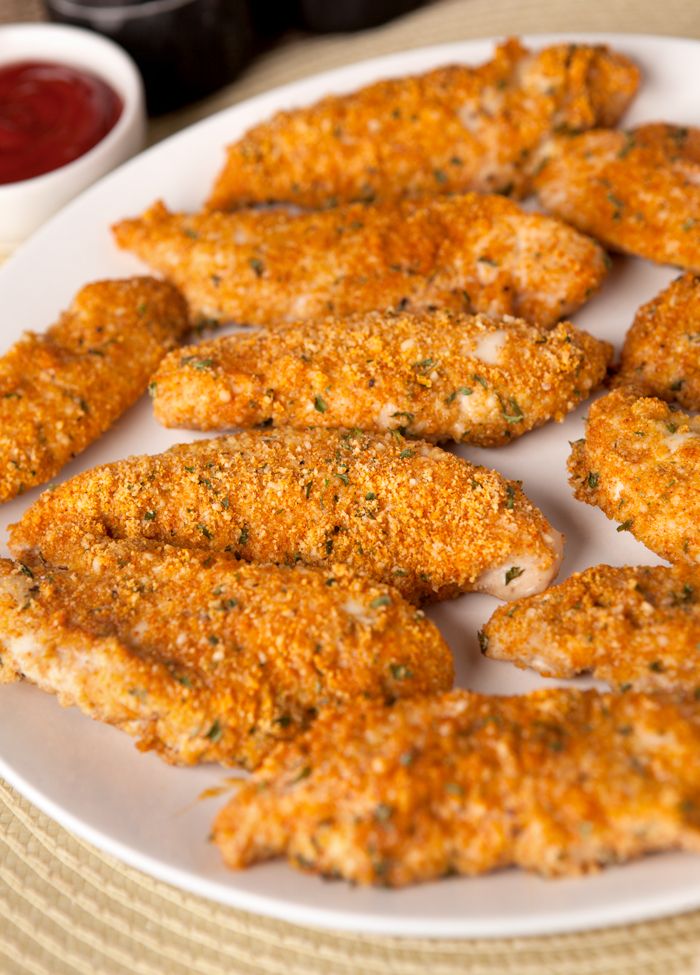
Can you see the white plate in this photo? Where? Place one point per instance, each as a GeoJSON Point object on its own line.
{"type": "Point", "coordinates": [91, 779]}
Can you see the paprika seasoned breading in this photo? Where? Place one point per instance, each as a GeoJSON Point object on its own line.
{"type": "Point", "coordinates": [640, 464]}
{"type": "Point", "coordinates": [636, 627]}
{"type": "Point", "coordinates": [204, 658]}
{"type": "Point", "coordinates": [451, 129]}
{"type": "Point", "coordinates": [560, 781]}
{"type": "Point", "coordinates": [61, 390]}
{"type": "Point", "coordinates": [661, 354]}
{"type": "Point", "coordinates": [468, 253]}
{"type": "Point", "coordinates": [400, 511]}
{"type": "Point", "coordinates": [438, 375]}
{"type": "Point", "coordinates": [637, 191]}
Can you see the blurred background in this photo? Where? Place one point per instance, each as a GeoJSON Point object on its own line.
{"type": "Point", "coordinates": [199, 56]}
{"type": "Point", "coordinates": [187, 49]}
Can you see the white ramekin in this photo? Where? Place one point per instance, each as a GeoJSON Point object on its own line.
{"type": "Point", "coordinates": [27, 204]}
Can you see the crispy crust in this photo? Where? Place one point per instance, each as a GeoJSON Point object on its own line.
{"type": "Point", "coordinates": [640, 464]}
{"type": "Point", "coordinates": [204, 658]}
{"type": "Point", "coordinates": [636, 627]}
{"type": "Point", "coordinates": [438, 375]}
{"type": "Point", "coordinates": [403, 512]}
{"type": "Point", "coordinates": [469, 253]}
{"type": "Point", "coordinates": [452, 129]}
{"type": "Point", "coordinates": [661, 354]}
{"type": "Point", "coordinates": [558, 781]}
{"type": "Point", "coordinates": [61, 390]}
{"type": "Point", "coordinates": [637, 191]}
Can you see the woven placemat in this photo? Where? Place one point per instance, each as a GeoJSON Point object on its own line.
{"type": "Point", "coordinates": [67, 909]}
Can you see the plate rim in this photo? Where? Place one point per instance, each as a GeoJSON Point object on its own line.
{"type": "Point", "coordinates": [569, 919]}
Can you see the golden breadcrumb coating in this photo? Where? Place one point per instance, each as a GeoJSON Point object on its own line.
{"type": "Point", "coordinates": [204, 658]}
{"type": "Point", "coordinates": [640, 464]}
{"type": "Point", "coordinates": [439, 375]}
{"type": "Point", "coordinates": [557, 781]}
{"type": "Point", "coordinates": [637, 191]}
{"type": "Point", "coordinates": [403, 512]}
{"type": "Point", "coordinates": [661, 354]}
{"type": "Point", "coordinates": [452, 129]}
{"type": "Point", "coordinates": [61, 390]}
{"type": "Point", "coordinates": [636, 627]}
{"type": "Point", "coordinates": [470, 253]}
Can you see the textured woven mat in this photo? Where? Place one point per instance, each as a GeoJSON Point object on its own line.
{"type": "Point", "coordinates": [67, 909]}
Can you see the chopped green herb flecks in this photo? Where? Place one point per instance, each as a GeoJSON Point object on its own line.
{"type": "Point", "coordinates": [304, 773]}
{"type": "Point", "coordinates": [380, 601]}
{"type": "Point", "coordinates": [196, 363]}
{"type": "Point", "coordinates": [513, 573]}
{"type": "Point", "coordinates": [685, 596]}
{"type": "Point", "coordinates": [215, 732]}
{"type": "Point", "coordinates": [628, 146]}
{"type": "Point", "coordinates": [400, 671]}
{"type": "Point", "coordinates": [319, 404]}
{"type": "Point", "coordinates": [460, 391]}
{"type": "Point", "coordinates": [511, 411]}
{"type": "Point", "coordinates": [617, 204]}
{"type": "Point", "coordinates": [625, 526]}
{"type": "Point", "coordinates": [382, 812]}
{"type": "Point", "coordinates": [592, 479]}
{"type": "Point", "coordinates": [424, 364]}
{"type": "Point", "coordinates": [257, 266]}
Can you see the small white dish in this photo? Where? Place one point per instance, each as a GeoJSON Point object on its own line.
{"type": "Point", "coordinates": [26, 204]}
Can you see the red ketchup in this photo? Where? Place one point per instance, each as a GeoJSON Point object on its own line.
{"type": "Point", "coordinates": [49, 115]}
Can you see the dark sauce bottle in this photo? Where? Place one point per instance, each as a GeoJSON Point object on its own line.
{"type": "Point", "coordinates": [272, 17]}
{"type": "Point", "coordinates": [323, 16]}
{"type": "Point", "coordinates": [185, 49]}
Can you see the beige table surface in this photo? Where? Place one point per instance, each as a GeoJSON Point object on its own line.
{"type": "Point", "coordinates": [67, 908]}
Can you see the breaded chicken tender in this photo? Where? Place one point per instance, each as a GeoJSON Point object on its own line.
{"type": "Point", "coordinates": [640, 464]}
{"type": "Point", "coordinates": [637, 192]}
{"type": "Point", "coordinates": [469, 253]}
{"type": "Point", "coordinates": [636, 627]}
{"type": "Point", "coordinates": [204, 658]}
{"type": "Point", "coordinates": [402, 512]}
{"type": "Point", "coordinates": [61, 390]}
{"type": "Point", "coordinates": [559, 781]}
{"type": "Point", "coordinates": [439, 375]}
{"type": "Point", "coordinates": [452, 129]}
{"type": "Point", "coordinates": [661, 354]}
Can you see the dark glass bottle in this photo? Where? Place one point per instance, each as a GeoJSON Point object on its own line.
{"type": "Point", "coordinates": [185, 49]}
{"type": "Point", "coordinates": [272, 17]}
{"type": "Point", "coordinates": [348, 15]}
